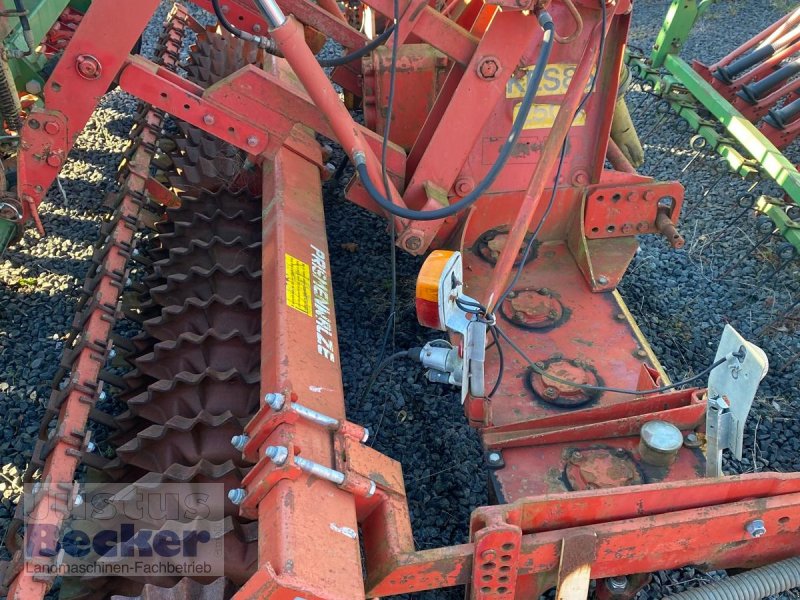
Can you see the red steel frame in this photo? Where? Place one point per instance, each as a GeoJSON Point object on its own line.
{"type": "Point", "coordinates": [539, 535]}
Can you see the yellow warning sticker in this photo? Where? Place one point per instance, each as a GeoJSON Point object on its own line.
{"type": "Point", "coordinates": [555, 81]}
{"type": "Point", "coordinates": [542, 116]}
{"type": "Point", "coordinates": [298, 285]}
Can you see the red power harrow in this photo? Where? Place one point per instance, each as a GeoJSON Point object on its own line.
{"type": "Point", "coordinates": [599, 468]}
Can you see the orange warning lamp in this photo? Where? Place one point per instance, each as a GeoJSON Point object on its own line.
{"type": "Point", "coordinates": [429, 288]}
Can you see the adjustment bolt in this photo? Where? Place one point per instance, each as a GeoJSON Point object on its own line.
{"type": "Point", "coordinates": [240, 441]}
{"type": "Point", "coordinates": [209, 120]}
{"type": "Point", "coordinates": [277, 454]}
{"type": "Point", "coordinates": [275, 401]}
{"type": "Point", "coordinates": [756, 528]}
{"type": "Point", "coordinates": [617, 584]}
{"type": "Point", "coordinates": [237, 496]}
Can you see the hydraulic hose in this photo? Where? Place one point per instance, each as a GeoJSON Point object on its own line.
{"type": "Point", "coordinates": [270, 46]}
{"type": "Point", "coordinates": [751, 585]}
{"type": "Point", "coordinates": [505, 152]}
{"type": "Point", "coordinates": [27, 35]}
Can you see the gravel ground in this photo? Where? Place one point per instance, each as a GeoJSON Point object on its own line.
{"type": "Point", "coordinates": [681, 299]}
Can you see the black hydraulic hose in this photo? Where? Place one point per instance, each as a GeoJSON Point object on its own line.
{"type": "Point", "coordinates": [266, 43]}
{"type": "Point", "coordinates": [27, 35]}
{"type": "Point", "coordinates": [505, 152]}
{"type": "Point", "coordinates": [360, 53]}
{"type": "Point", "coordinates": [750, 585]}
{"type": "Point", "coordinates": [270, 46]}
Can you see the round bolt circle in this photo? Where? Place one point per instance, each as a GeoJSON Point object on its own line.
{"type": "Point", "coordinates": [88, 66]}
{"type": "Point", "coordinates": [464, 186]}
{"type": "Point", "coordinates": [488, 68]}
{"type": "Point", "coordinates": [51, 127]}
{"type": "Point", "coordinates": [413, 243]}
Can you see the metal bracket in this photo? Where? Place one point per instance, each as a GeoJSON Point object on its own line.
{"type": "Point", "coordinates": [731, 389]}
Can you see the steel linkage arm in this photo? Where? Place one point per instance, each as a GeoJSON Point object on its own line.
{"type": "Point", "coordinates": [627, 530]}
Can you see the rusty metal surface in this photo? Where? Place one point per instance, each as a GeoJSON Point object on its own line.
{"type": "Point", "coordinates": [185, 589]}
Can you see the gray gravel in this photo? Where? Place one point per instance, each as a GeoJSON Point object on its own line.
{"type": "Point", "coordinates": [681, 299]}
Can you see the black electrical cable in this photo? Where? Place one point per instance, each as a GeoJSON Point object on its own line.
{"type": "Point", "coordinates": [501, 359]}
{"type": "Point", "coordinates": [551, 201]}
{"type": "Point", "coordinates": [413, 354]}
{"type": "Point", "coordinates": [601, 388]}
{"type": "Point", "coordinates": [390, 324]}
{"type": "Point", "coordinates": [505, 151]}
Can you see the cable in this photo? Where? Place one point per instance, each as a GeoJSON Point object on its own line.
{"type": "Point", "coordinates": [501, 359]}
{"type": "Point", "coordinates": [600, 388]}
{"type": "Point", "coordinates": [413, 354]}
{"type": "Point", "coordinates": [390, 323]}
{"type": "Point", "coordinates": [505, 151]}
{"type": "Point", "coordinates": [551, 201]}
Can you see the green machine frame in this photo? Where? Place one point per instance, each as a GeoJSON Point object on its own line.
{"type": "Point", "coordinates": [745, 149]}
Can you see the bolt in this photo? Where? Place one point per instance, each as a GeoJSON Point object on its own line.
{"type": "Point", "coordinates": [366, 436]}
{"type": "Point", "coordinates": [642, 226]}
{"type": "Point", "coordinates": [413, 243]}
{"type": "Point", "coordinates": [112, 353]}
{"type": "Point", "coordinates": [464, 186]}
{"type": "Point", "coordinates": [33, 87]}
{"type": "Point", "coordinates": [627, 228]}
{"type": "Point", "coordinates": [240, 441]}
{"type": "Point", "coordinates": [581, 178]}
{"type": "Point", "coordinates": [256, 28]}
{"type": "Point", "coordinates": [519, 315]}
{"type": "Point", "coordinates": [756, 528]}
{"type": "Point", "coordinates": [551, 392]}
{"type": "Point", "coordinates": [488, 555]}
{"type": "Point", "coordinates": [602, 280]}
{"type": "Point", "coordinates": [275, 400]}
{"type": "Point", "coordinates": [488, 68]}
{"type": "Point", "coordinates": [54, 160]}
{"type": "Point", "coordinates": [236, 496]}
{"type": "Point", "coordinates": [52, 127]}
{"type": "Point", "coordinates": [576, 456]}
{"type": "Point", "coordinates": [102, 396]}
{"type": "Point", "coordinates": [495, 458]}
{"type": "Point", "coordinates": [252, 141]}
{"type": "Point", "coordinates": [208, 119]}
{"type": "Point", "coordinates": [617, 584]}
{"type": "Point", "coordinates": [88, 66]}
{"type": "Point", "coordinates": [78, 500]}
{"type": "Point", "coordinates": [619, 316]}
{"type": "Point", "coordinates": [277, 454]}
{"type": "Point", "coordinates": [692, 441]}
{"type": "Point", "coordinates": [91, 447]}
{"type": "Point", "coordinates": [36, 487]}
{"type": "Point", "coordinates": [641, 353]}
{"type": "Point", "coordinates": [327, 171]}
